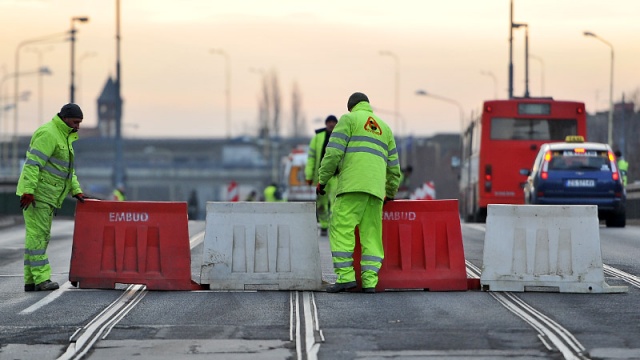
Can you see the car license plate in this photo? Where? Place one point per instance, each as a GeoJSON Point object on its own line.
{"type": "Point", "coordinates": [581, 183]}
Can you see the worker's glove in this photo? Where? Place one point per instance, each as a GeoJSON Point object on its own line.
{"type": "Point", "coordinates": [26, 200]}
{"type": "Point", "coordinates": [309, 182]}
{"type": "Point", "coordinates": [320, 189]}
{"type": "Point", "coordinates": [387, 199]}
{"type": "Point", "coordinates": [80, 197]}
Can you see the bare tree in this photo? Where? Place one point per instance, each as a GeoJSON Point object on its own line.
{"type": "Point", "coordinates": [296, 104]}
{"type": "Point", "coordinates": [276, 102]}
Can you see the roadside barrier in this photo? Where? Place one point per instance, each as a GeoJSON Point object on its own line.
{"type": "Point", "coordinates": [553, 248]}
{"type": "Point", "coordinates": [233, 192]}
{"type": "Point", "coordinates": [261, 246]}
{"type": "Point", "coordinates": [131, 243]}
{"type": "Point", "coordinates": [423, 247]}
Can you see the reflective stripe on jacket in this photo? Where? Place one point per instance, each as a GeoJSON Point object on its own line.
{"type": "Point", "coordinates": [363, 148]}
{"type": "Point", "coordinates": [48, 171]}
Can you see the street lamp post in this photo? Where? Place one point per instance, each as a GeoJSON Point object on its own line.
{"type": "Point", "coordinates": [73, 54]}
{"type": "Point", "coordinates": [526, 55]}
{"type": "Point", "coordinates": [16, 87]}
{"type": "Point", "coordinates": [610, 121]}
{"type": "Point", "coordinates": [80, 60]}
{"type": "Point", "coordinates": [397, 85]}
{"type": "Point", "coordinates": [541, 72]}
{"type": "Point", "coordinates": [39, 52]}
{"type": "Point", "coordinates": [450, 101]}
{"type": "Point", "coordinates": [227, 87]}
{"type": "Point", "coordinates": [403, 159]}
{"type": "Point", "coordinates": [43, 70]}
{"type": "Point", "coordinates": [495, 82]}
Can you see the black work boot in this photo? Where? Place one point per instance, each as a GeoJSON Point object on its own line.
{"type": "Point", "coordinates": [339, 287]}
{"type": "Point", "coordinates": [29, 287]}
{"type": "Point", "coordinates": [369, 290]}
{"type": "Point", "coordinates": [47, 285]}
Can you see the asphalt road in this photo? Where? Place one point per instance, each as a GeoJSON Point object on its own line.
{"type": "Point", "coordinates": [136, 323]}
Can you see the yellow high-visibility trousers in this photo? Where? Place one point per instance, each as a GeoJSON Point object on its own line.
{"type": "Point", "coordinates": [37, 220]}
{"type": "Point", "coordinates": [364, 211]}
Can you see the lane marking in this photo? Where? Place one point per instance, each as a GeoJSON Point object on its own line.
{"type": "Point", "coordinates": [47, 299]}
{"type": "Point", "coordinates": [304, 310]}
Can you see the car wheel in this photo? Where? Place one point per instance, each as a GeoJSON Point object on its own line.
{"type": "Point", "coordinates": [616, 220]}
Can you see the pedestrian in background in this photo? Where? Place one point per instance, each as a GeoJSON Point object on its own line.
{"type": "Point", "coordinates": [623, 166]}
{"type": "Point", "coordinates": [119, 193]}
{"type": "Point", "coordinates": [272, 193]}
{"type": "Point", "coordinates": [47, 177]}
{"type": "Point", "coordinates": [363, 149]}
{"type": "Point", "coordinates": [317, 148]}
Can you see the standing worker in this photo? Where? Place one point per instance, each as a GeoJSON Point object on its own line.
{"type": "Point", "coordinates": [317, 148]}
{"type": "Point", "coordinates": [119, 194]}
{"type": "Point", "coordinates": [623, 166]}
{"type": "Point", "coordinates": [363, 148]}
{"type": "Point", "coordinates": [271, 193]}
{"type": "Point", "coordinates": [47, 177]}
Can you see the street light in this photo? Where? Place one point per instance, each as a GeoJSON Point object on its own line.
{"type": "Point", "coordinates": [541, 72]}
{"type": "Point", "coordinates": [42, 70]}
{"type": "Point", "coordinates": [73, 52]}
{"type": "Point", "coordinates": [450, 101]}
{"type": "Point", "coordinates": [397, 85]}
{"type": "Point", "coordinates": [396, 110]}
{"type": "Point", "coordinates": [495, 82]}
{"type": "Point", "coordinates": [16, 91]}
{"type": "Point", "coordinates": [526, 55]}
{"type": "Point", "coordinates": [39, 52]}
{"type": "Point", "coordinates": [610, 124]}
{"type": "Point", "coordinates": [82, 58]}
{"type": "Point", "coordinates": [227, 87]}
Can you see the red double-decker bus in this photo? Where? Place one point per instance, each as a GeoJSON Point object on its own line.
{"type": "Point", "coordinates": [503, 141]}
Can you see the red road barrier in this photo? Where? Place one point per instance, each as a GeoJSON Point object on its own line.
{"type": "Point", "coordinates": [423, 247]}
{"type": "Point", "coordinates": [131, 243]}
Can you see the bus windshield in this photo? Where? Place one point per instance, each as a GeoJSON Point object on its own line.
{"type": "Point", "coordinates": [503, 128]}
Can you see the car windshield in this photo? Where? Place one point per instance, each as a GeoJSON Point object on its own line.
{"type": "Point", "coordinates": [590, 160]}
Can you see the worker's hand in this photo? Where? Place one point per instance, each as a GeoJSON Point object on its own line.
{"type": "Point", "coordinates": [79, 196]}
{"type": "Point", "coordinates": [309, 182]}
{"type": "Point", "coordinates": [26, 200]}
{"type": "Point", "coordinates": [387, 199]}
{"type": "Point", "coordinates": [320, 189]}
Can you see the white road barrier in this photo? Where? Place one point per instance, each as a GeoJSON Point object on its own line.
{"type": "Point", "coordinates": [544, 248]}
{"type": "Point", "coordinates": [261, 246]}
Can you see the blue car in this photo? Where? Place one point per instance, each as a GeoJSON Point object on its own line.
{"type": "Point", "coordinates": [578, 173]}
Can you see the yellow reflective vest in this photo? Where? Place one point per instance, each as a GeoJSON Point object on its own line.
{"type": "Point", "coordinates": [48, 171]}
{"type": "Point", "coordinates": [364, 150]}
{"type": "Point", "coordinates": [314, 156]}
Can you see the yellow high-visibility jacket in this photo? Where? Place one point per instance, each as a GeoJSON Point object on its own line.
{"type": "Point", "coordinates": [362, 146]}
{"type": "Point", "coordinates": [48, 171]}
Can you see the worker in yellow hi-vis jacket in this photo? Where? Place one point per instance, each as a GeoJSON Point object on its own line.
{"type": "Point", "coordinates": [363, 148]}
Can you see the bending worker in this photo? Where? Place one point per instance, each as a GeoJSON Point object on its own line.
{"type": "Point", "coordinates": [47, 176]}
{"type": "Point", "coordinates": [363, 148]}
{"type": "Point", "coordinates": [317, 148]}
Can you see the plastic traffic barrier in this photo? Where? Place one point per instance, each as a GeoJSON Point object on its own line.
{"type": "Point", "coordinates": [261, 246]}
{"type": "Point", "coordinates": [552, 248]}
{"type": "Point", "coordinates": [422, 245]}
{"type": "Point", "coordinates": [131, 242]}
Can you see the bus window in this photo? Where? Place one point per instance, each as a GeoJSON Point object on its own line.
{"type": "Point", "coordinates": [531, 129]}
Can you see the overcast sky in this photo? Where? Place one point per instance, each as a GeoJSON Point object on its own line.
{"type": "Point", "coordinates": [174, 87]}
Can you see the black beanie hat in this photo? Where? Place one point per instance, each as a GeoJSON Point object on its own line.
{"type": "Point", "coordinates": [355, 98]}
{"type": "Point", "coordinates": [71, 111]}
{"type": "Point", "coordinates": [331, 118]}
